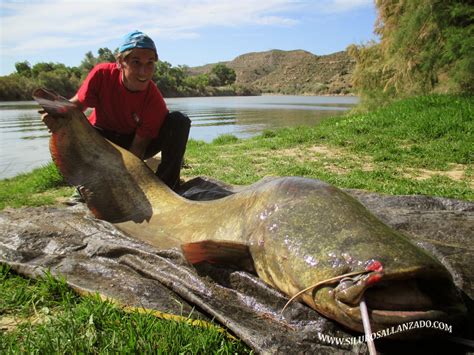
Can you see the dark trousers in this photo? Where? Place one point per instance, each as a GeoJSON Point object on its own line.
{"type": "Point", "coordinates": [171, 142]}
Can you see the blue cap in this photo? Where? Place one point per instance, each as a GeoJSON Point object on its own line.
{"type": "Point", "coordinates": [137, 39]}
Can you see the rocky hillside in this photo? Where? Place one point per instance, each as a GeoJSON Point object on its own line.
{"type": "Point", "coordinates": [291, 72]}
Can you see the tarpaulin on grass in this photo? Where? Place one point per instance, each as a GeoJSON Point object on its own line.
{"type": "Point", "coordinates": [95, 257]}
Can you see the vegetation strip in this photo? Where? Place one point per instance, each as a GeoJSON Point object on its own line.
{"type": "Point", "coordinates": [155, 313]}
{"type": "Point", "coordinates": [172, 81]}
{"type": "Point", "coordinates": [66, 322]}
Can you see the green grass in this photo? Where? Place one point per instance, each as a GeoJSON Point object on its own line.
{"type": "Point", "coordinates": [419, 145]}
{"type": "Point", "coordinates": [42, 186]}
{"type": "Point", "coordinates": [45, 316]}
{"type": "Point", "coordinates": [429, 132]}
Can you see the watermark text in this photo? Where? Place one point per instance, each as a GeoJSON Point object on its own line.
{"type": "Point", "coordinates": [420, 324]}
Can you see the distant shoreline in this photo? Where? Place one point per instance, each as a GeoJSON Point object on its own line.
{"type": "Point", "coordinates": [324, 95]}
{"type": "Point", "coordinates": [210, 96]}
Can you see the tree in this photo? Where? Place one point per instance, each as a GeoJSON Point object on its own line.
{"type": "Point", "coordinates": [16, 87]}
{"type": "Point", "coordinates": [167, 78]}
{"type": "Point", "coordinates": [425, 45]}
{"type": "Point", "coordinates": [88, 63]}
{"type": "Point", "coordinates": [23, 68]}
{"type": "Point", "coordinates": [60, 81]}
{"type": "Point", "coordinates": [222, 75]}
{"type": "Point", "coordinates": [105, 55]}
{"type": "Point", "coordinates": [42, 67]}
{"type": "Point", "coordinates": [197, 83]}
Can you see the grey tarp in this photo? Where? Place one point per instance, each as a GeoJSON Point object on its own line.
{"type": "Point", "coordinates": [94, 256]}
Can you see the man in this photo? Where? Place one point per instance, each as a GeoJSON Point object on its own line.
{"type": "Point", "coordinates": [129, 110]}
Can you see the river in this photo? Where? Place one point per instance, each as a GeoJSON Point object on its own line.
{"type": "Point", "coordinates": [24, 138]}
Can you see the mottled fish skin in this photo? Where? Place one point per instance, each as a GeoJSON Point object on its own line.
{"type": "Point", "coordinates": [298, 231]}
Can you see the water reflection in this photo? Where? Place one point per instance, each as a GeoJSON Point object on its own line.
{"type": "Point", "coordinates": [248, 116]}
{"type": "Point", "coordinates": [245, 123]}
{"type": "Point", "coordinates": [24, 139]}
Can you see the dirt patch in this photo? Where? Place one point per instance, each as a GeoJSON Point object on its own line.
{"type": "Point", "coordinates": [364, 162]}
{"type": "Point", "coordinates": [312, 153]}
{"type": "Point", "coordinates": [296, 153]}
{"type": "Point", "coordinates": [336, 169]}
{"type": "Point", "coordinates": [11, 323]}
{"type": "Point", "coordinates": [334, 155]}
{"type": "Point", "coordinates": [259, 159]}
{"type": "Point", "coordinates": [326, 151]}
{"type": "Point", "coordinates": [456, 172]}
{"type": "Point", "coordinates": [8, 323]}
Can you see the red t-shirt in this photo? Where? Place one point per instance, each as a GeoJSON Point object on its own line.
{"type": "Point", "coordinates": [118, 109]}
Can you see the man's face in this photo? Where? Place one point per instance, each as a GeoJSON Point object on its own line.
{"type": "Point", "coordinates": [138, 68]}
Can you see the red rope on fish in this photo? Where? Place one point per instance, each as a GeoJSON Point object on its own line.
{"type": "Point", "coordinates": [376, 266]}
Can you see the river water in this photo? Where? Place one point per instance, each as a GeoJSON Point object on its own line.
{"type": "Point", "coordinates": [24, 138]}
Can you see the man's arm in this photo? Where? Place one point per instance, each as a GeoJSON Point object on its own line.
{"type": "Point", "coordinates": [139, 146]}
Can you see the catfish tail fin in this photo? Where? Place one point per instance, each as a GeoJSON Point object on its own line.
{"type": "Point", "coordinates": [52, 103]}
{"type": "Point", "coordinates": [114, 183]}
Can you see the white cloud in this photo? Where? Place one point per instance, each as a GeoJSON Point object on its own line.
{"type": "Point", "coordinates": [28, 27]}
{"type": "Point", "coordinates": [335, 6]}
{"type": "Point", "coordinates": [32, 28]}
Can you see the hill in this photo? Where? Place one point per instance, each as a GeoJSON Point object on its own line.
{"type": "Point", "coordinates": [291, 72]}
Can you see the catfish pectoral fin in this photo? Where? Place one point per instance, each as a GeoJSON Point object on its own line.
{"type": "Point", "coordinates": [101, 202]}
{"type": "Point", "coordinates": [218, 252]}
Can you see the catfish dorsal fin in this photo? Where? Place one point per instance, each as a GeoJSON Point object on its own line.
{"type": "Point", "coordinates": [218, 252]}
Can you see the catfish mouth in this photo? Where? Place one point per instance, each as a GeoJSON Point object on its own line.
{"type": "Point", "coordinates": [393, 301]}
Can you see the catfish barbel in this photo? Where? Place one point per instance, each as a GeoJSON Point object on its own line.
{"type": "Point", "coordinates": [296, 233]}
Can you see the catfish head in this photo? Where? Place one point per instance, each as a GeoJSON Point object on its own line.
{"type": "Point", "coordinates": [326, 248]}
{"type": "Point", "coordinates": [393, 296]}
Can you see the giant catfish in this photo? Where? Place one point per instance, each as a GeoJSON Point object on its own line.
{"type": "Point", "coordinates": [296, 233]}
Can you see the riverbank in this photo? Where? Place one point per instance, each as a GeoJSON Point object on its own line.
{"type": "Point", "coordinates": [21, 94]}
{"type": "Point", "coordinates": [420, 145]}
{"type": "Point", "coordinates": [216, 92]}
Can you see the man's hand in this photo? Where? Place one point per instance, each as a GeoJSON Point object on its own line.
{"type": "Point", "coordinates": [77, 103]}
{"type": "Point", "coordinates": [52, 124]}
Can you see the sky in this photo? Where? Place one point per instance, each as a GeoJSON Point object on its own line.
{"type": "Point", "coordinates": [186, 32]}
